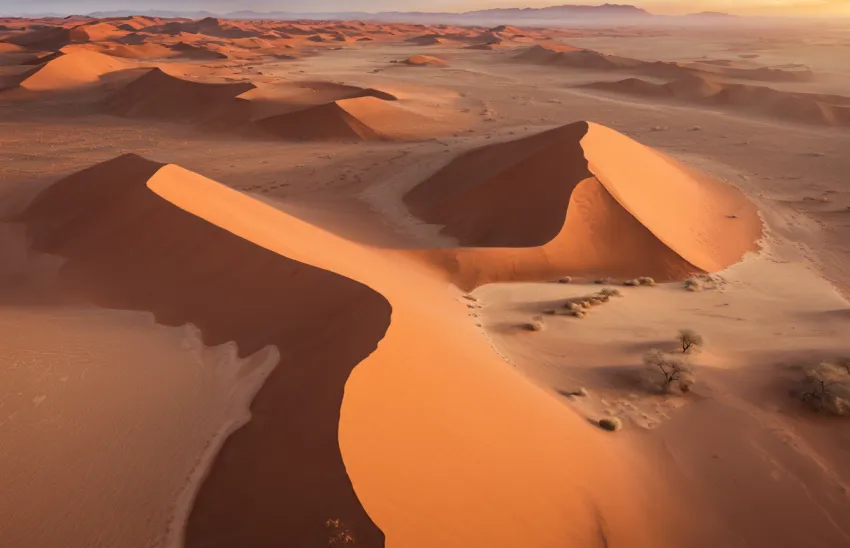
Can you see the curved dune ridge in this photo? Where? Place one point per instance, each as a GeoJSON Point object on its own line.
{"type": "Point", "coordinates": [811, 108]}
{"type": "Point", "coordinates": [328, 122]}
{"type": "Point", "coordinates": [75, 69]}
{"type": "Point", "coordinates": [431, 422]}
{"type": "Point", "coordinates": [581, 199]}
{"type": "Point", "coordinates": [281, 476]}
{"type": "Point", "coordinates": [157, 94]}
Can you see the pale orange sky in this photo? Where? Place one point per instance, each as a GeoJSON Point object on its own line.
{"type": "Point", "coordinates": [748, 7]}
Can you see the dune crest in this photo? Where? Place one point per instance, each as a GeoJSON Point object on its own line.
{"type": "Point", "coordinates": [157, 94]}
{"type": "Point", "coordinates": [425, 61]}
{"type": "Point", "coordinates": [553, 204]}
{"type": "Point", "coordinates": [76, 69]}
{"type": "Point", "coordinates": [125, 238]}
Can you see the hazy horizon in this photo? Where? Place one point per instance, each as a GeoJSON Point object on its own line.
{"type": "Point", "coordinates": [748, 7]}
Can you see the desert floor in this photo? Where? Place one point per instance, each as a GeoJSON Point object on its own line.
{"type": "Point", "coordinates": [268, 328]}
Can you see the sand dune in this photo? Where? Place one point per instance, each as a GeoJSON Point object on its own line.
{"type": "Point", "coordinates": [810, 108]}
{"type": "Point", "coordinates": [425, 61]}
{"type": "Point", "coordinates": [581, 200]}
{"type": "Point", "coordinates": [49, 39]}
{"type": "Point", "coordinates": [159, 95]}
{"type": "Point", "coordinates": [567, 56]}
{"type": "Point", "coordinates": [328, 122]}
{"type": "Point", "coordinates": [126, 247]}
{"type": "Point", "coordinates": [70, 71]}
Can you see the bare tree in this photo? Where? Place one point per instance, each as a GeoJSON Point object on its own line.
{"type": "Point", "coordinates": [689, 340]}
{"type": "Point", "coordinates": [828, 389]}
{"type": "Point", "coordinates": [666, 370]}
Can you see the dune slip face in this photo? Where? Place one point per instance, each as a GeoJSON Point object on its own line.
{"type": "Point", "coordinates": [585, 200]}
{"type": "Point", "coordinates": [280, 477]}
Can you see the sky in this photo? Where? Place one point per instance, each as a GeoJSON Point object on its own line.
{"type": "Point", "coordinates": [744, 7]}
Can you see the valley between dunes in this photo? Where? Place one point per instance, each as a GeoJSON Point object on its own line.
{"type": "Point", "coordinates": [267, 284]}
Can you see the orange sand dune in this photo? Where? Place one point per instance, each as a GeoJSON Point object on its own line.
{"type": "Point", "coordinates": [270, 101]}
{"type": "Point", "coordinates": [76, 69]}
{"type": "Point", "coordinates": [281, 476]}
{"type": "Point", "coordinates": [585, 200]}
{"type": "Point", "coordinates": [49, 39]}
{"type": "Point", "coordinates": [430, 423]}
{"type": "Point", "coordinates": [159, 95]}
{"type": "Point", "coordinates": [811, 108]}
{"type": "Point", "coordinates": [328, 122]}
{"type": "Point", "coordinates": [425, 61]}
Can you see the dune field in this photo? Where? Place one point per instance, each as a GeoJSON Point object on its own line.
{"type": "Point", "coordinates": [320, 283]}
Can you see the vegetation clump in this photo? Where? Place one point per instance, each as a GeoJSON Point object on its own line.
{"type": "Point", "coordinates": [690, 340]}
{"type": "Point", "coordinates": [664, 372]}
{"type": "Point", "coordinates": [643, 280]}
{"type": "Point", "coordinates": [612, 425]}
{"type": "Point", "coordinates": [827, 388]}
{"type": "Point", "coordinates": [338, 533]}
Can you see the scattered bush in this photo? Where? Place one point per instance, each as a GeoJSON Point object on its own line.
{"type": "Point", "coordinates": [612, 425]}
{"type": "Point", "coordinates": [693, 285]}
{"type": "Point", "coordinates": [600, 281]}
{"type": "Point", "coordinates": [338, 533]}
{"type": "Point", "coordinates": [536, 324]}
{"type": "Point", "coordinates": [610, 292]}
{"type": "Point", "coordinates": [663, 371]}
{"type": "Point", "coordinates": [646, 280]}
{"type": "Point", "coordinates": [631, 283]}
{"type": "Point", "coordinates": [690, 340]}
{"type": "Point", "coordinates": [565, 280]}
{"type": "Point", "coordinates": [827, 389]}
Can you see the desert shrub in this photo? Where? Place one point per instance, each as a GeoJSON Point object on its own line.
{"type": "Point", "coordinates": [338, 533]}
{"type": "Point", "coordinates": [827, 389]}
{"type": "Point", "coordinates": [536, 324]}
{"type": "Point", "coordinates": [690, 340]}
{"type": "Point", "coordinates": [565, 280]}
{"type": "Point", "coordinates": [600, 281]}
{"type": "Point", "coordinates": [610, 292]}
{"type": "Point", "coordinates": [612, 425]}
{"type": "Point", "coordinates": [631, 283]}
{"type": "Point", "coordinates": [664, 371]}
{"type": "Point", "coordinates": [646, 280]}
{"type": "Point", "coordinates": [693, 285]}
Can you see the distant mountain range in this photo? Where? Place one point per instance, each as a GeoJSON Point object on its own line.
{"type": "Point", "coordinates": [572, 13]}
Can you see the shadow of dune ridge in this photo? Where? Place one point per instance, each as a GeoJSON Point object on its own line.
{"type": "Point", "coordinates": [277, 479]}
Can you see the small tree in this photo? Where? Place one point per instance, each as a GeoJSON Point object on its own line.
{"type": "Point", "coordinates": [663, 371]}
{"type": "Point", "coordinates": [689, 340]}
{"type": "Point", "coordinates": [828, 389]}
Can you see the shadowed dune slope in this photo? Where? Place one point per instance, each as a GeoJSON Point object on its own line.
{"type": "Point", "coordinates": [328, 122]}
{"type": "Point", "coordinates": [157, 94]}
{"type": "Point", "coordinates": [47, 39]}
{"type": "Point", "coordinates": [277, 479]}
{"type": "Point", "coordinates": [810, 108]}
{"type": "Point", "coordinates": [75, 69]}
{"type": "Point", "coordinates": [581, 199]}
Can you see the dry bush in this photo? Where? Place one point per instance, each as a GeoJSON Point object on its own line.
{"type": "Point", "coordinates": [565, 280]}
{"type": "Point", "coordinates": [664, 371]}
{"type": "Point", "coordinates": [693, 285]}
{"type": "Point", "coordinates": [338, 533]}
{"type": "Point", "coordinates": [646, 280]}
{"type": "Point", "coordinates": [610, 292]}
{"type": "Point", "coordinates": [827, 389]}
{"type": "Point", "coordinates": [612, 425]}
{"type": "Point", "coordinates": [690, 340]}
{"type": "Point", "coordinates": [536, 324]}
{"type": "Point", "coordinates": [631, 283]}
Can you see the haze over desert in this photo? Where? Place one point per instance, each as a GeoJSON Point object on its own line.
{"type": "Point", "coordinates": [556, 277]}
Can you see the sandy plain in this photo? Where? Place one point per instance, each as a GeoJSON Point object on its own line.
{"type": "Point", "coordinates": [235, 265]}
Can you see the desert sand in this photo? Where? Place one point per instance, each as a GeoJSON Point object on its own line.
{"type": "Point", "coordinates": [269, 283]}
